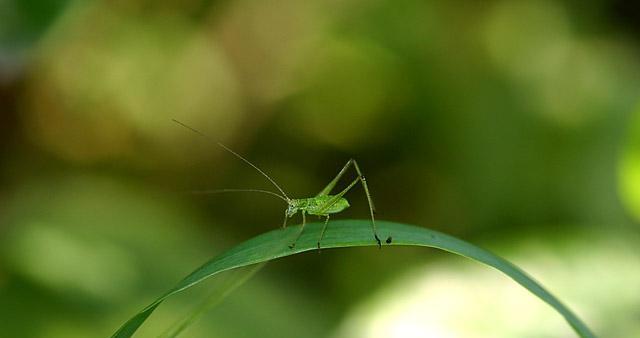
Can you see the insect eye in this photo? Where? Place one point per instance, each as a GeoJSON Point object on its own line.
{"type": "Point", "coordinates": [389, 239]}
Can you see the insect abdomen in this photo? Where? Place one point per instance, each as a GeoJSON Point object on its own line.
{"type": "Point", "coordinates": [340, 205]}
{"type": "Point", "coordinates": [319, 205]}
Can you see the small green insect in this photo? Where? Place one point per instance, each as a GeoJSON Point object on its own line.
{"type": "Point", "coordinates": [322, 204]}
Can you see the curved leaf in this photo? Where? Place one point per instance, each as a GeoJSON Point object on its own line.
{"type": "Point", "coordinates": [349, 233]}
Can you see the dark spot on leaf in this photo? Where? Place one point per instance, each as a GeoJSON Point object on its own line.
{"type": "Point", "coordinates": [389, 239]}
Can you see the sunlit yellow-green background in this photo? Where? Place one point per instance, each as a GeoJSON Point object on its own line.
{"type": "Point", "coordinates": [514, 125]}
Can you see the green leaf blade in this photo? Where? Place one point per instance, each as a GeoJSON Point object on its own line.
{"type": "Point", "coordinates": [350, 233]}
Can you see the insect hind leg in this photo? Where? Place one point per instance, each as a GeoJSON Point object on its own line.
{"type": "Point", "coordinates": [372, 208]}
{"type": "Point", "coordinates": [363, 181]}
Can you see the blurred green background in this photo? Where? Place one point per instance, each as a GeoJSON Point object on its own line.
{"type": "Point", "coordinates": [511, 124]}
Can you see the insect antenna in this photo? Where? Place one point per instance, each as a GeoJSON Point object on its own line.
{"type": "Point", "coordinates": [218, 191]}
{"type": "Point", "coordinates": [238, 156]}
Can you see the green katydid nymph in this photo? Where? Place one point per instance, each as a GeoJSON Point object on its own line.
{"type": "Point", "coordinates": [322, 204]}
